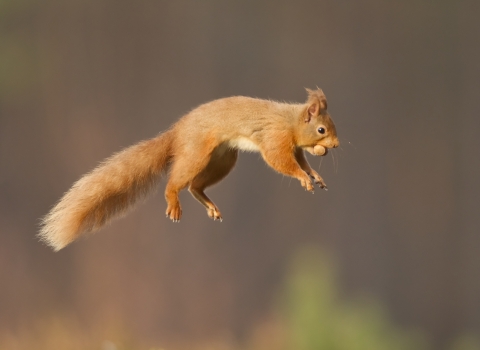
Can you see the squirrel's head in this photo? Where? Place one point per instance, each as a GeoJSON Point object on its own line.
{"type": "Point", "coordinates": [317, 131]}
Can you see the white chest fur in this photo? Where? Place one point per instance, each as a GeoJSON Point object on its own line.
{"type": "Point", "coordinates": [244, 144]}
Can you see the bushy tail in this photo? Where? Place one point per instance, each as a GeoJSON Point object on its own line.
{"type": "Point", "coordinates": [107, 192]}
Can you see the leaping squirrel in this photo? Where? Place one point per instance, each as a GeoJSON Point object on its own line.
{"type": "Point", "coordinates": [199, 151]}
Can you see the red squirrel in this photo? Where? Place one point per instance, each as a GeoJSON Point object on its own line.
{"type": "Point", "coordinates": [199, 150]}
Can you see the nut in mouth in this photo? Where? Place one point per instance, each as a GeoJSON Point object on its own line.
{"type": "Point", "coordinates": [317, 150]}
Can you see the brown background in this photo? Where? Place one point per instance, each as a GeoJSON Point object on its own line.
{"type": "Point", "coordinates": [79, 80]}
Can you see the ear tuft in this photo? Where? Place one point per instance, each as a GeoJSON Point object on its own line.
{"type": "Point", "coordinates": [316, 97]}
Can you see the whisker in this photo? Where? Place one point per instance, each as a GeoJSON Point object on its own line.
{"type": "Point", "coordinates": [338, 162]}
{"type": "Point", "coordinates": [333, 159]}
{"type": "Point", "coordinates": [320, 165]}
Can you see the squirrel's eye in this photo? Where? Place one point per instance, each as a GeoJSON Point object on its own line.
{"type": "Point", "coordinates": [321, 130]}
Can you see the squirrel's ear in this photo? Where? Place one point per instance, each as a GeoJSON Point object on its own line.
{"type": "Point", "coordinates": [313, 110]}
{"type": "Point", "coordinates": [316, 102]}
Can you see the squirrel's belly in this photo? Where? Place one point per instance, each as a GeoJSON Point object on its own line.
{"type": "Point", "coordinates": [244, 144]}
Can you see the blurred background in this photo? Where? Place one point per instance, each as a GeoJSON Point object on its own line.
{"type": "Point", "coordinates": [388, 258]}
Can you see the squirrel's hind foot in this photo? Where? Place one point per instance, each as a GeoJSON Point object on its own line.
{"type": "Point", "coordinates": [174, 212]}
{"type": "Point", "coordinates": [214, 214]}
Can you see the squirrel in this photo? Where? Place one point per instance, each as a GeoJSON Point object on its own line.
{"type": "Point", "coordinates": [199, 150]}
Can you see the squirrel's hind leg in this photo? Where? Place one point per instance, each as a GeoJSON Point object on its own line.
{"type": "Point", "coordinates": [183, 170]}
{"type": "Point", "coordinates": [221, 163]}
{"type": "Point", "coordinates": [201, 166]}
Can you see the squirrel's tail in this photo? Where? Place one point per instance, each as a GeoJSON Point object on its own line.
{"type": "Point", "coordinates": [108, 191]}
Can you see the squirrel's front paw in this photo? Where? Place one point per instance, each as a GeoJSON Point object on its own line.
{"type": "Point", "coordinates": [174, 212]}
{"type": "Point", "coordinates": [318, 180]}
{"type": "Point", "coordinates": [306, 183]}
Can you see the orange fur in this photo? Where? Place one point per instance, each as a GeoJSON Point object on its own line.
{"type": "Point", "coordinates": [201, 149]}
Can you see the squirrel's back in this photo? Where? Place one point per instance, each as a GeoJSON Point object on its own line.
{"type": "Point", "coordinates": [235, 117]}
